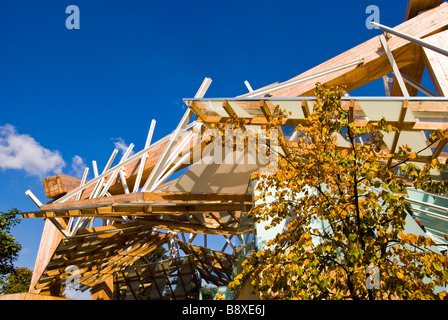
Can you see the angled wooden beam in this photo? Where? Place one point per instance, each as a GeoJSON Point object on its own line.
{"type": "Point", "coordinates": [415, 70]}
{"type": "Point", "coordinates": [166, 152]}
{"type": "Point", "coordinates": [95, 168]}
{"type": "Point", "coordinates": [58, 225]}
{"type": "Point", "coordinates": [228, 108]}
{"type": "Point", "coordinates": [33, 198]}
{"type": "Point", "coordinates": [440, 146]}
{"type": "Point", "coordinates": [144, 157]}
{"type": "Point", "coordinates": [293, 82]}
{"type": "Point", "coordinates": [351, 111]}
{"type": "Point", "coordinates": [114, 173]}
{"type": "Point", "coordinates": [99, 180]}
{"type": "Point", "coordinates": [265, 109]}
{"type": "Point", "coordinates": [413, 39]}
{"type": "Point", "coordinates": [281, 137]}
{"type": "Point", "coordinates": [259, 90]}
{"type": "Point", "coordinates": [174, 166]}
{"type": "Point", "coordinates": [386, 85]}
{"type": "Point", "coordinates": [401, 117]}
{"type": "Point", "coordinates": [83, 180]}
{"type": "Point", "coordinates": [248, 86]}
{"type": "Point", "coordinates": [375, 61]}
{"type": "Point", "coordinates": [49, 241]}
{"type": "Point", "coordinates": [232, 114]}
{"type": "Point", "coordinates": [304, 106]}
{"type": "Point", "coordinates": [200, 94]}
{"type": "Point", "coordinates": [123, 181]}
{"type": "Point", "coordinates": [131, 165]}
{"type": "Point", "coordinates": [201, 115]}
{"type": "Point", "coordinates": [173, 161]}
{"type": "Point", "coordinates": [417, 86]}
{"type": "Point", "coordinates": [394, 65]}
{"type": "Point", "coordinates": [203, 88]}
{"type": "Point", "coordinates": [143, 198]}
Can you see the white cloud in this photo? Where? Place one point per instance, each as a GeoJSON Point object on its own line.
{"type": "Point", "coordinates": [77, 295]}
{"type": "Point", "coordinates": [22, 152]}
{"type": "Point", "coordinates": [121, 145]}
{"type": "Point", "coordinates": [78, 166]}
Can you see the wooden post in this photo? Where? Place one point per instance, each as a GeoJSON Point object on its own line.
{"type": "Point", "coordinates": [53, 291]}
{"type": "Point", "coordinates": [51, 237]}
{"type": "Point", "coordinates": [103, 290]}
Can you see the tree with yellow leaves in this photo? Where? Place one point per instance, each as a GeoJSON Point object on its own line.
{"type": "Point", "coordinates": [358, 248]}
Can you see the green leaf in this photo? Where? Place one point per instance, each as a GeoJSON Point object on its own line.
{"type": "Point", "coordinates": [437, 266]}
{"type": "Point", "coordinates": [445, 274]}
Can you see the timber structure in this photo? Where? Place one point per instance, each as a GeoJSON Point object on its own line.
{"type": "Point", "coordinates": [102, 226]}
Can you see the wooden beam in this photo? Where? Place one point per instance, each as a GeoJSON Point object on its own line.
{"type": "Point", "coordinates": [394, 65]}
{"type": "Point", "coordinates": [413, 72]}
{"type": "Point", "coordinates": [143, 158]}
{"type": "Point", "coordinates": [139, 210]}
{"type": "Point", "coordinates": [48, 243]}
{"type": "Point", "coordinates": [440, 146]}
{"type": "Point", "coordinates": [33, 198]}
{"type": "Point", "coordinates": [83, 180]}
{"type": "Point", "coordinates": [60, 184]}
{"type": "Point", "coordinates": [294, 82]}
{"type": "Point", "coordinates": [281, 137]}
{"type": "Point", "coordinates": [401, 118]}
{"type": "Point", "coordinates": [351, 111]}
{"type": "Point", "coordinates": [201, 115]}
{"type": "Point", "coordinates": [98, 179]}
{"type": "Point", "coordinates": [413, 7]}
{"type": "Point", "coordinates": [99, 252]}
{"type": "Point", "coordinates": [131, 166]}
{"type": "Point", "coordinates": [386, 85]}
{"type": "Point", "coordinates": [437, 64]}
{"type": "Point", "coordinates": [103, 290]}
{"type": "Point", "coordinates": [174, 139]}
{"type": "Point", "coordinates": [232, 114]}
{"type": "Point", "coordinates": [228, 108]}
{"type": "Point", "coordinates": [116, 172]}
{"type": "Point", "coordinates": [375, 61]}
{"type": "Point", "coordinates": [59, 226]}
{"type": "Point", "coordinates": [305, 109]}
{"type": "Point", "coordinates": [145, 198]}
{"type": "Point", "coordinates": [265, 109]}
{"type": "Point", "coordinates": [416, 85]}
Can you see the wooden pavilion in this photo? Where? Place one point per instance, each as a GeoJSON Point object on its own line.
{"type": "Point", "coordinates": [104, 225]}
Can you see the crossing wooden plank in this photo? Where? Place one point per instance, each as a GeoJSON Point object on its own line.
{"type": "Point", "coordinates": [375, 61]}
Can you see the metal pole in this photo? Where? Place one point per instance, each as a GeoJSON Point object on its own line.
{"type": "Point", "coordinates": [411, 38]}
{"type": "Point", "coordinates": [292, 82]}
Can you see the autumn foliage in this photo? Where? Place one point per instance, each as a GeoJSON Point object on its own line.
{"type": "Point", "coordinates": [356, 196]}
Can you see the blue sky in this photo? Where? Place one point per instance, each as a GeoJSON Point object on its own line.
{"type": "Point", "coordinates": [67, 97]}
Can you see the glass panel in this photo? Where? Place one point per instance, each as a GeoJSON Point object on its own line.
{"type": "Point", "coordinates": [415, 139]}
{"type": "Point", "coordinates": [216, 106]}
{"type": "Point", "coordinates": [434, 225]}
{"type": "Point", "coordinates": [240, 112]}
{"type": "Point", "coordinates": [390, 110]}
{"type": "Point", "coordinates": [290, 106]}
